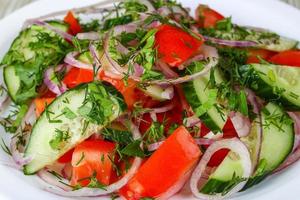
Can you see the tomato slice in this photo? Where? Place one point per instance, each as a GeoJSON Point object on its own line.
{"type": "Point", "coordinates": [67, 157]}
{"type": "Point", "coordinates": [207, 17]}
{"type": "Point", "coordinates": [175, 45]}
{"type": "Point", "coordinates": [291, 58]}
{"type": "Point", "coordinates": [228, 132]}
{"type": "Point", "coordinates": [90, 157]}
{"type": "Point", "coordinates": [255, 53]}
{"type": "Point", "coordinates": [41, 103]}
{"type": "Point", "coordinates": [77, 76]}
{"type": "Point", "coordinates": [166, 166]}
{"type": "Point", "coordinates": [74, 25]}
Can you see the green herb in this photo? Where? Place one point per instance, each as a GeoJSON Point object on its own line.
{"type": "Point", "coordinates": [206, 106]}
{"type": "Point", "coordinates": [243, 103]}
{"type": "Point", "coordinates": [94, 25]}
{"type": "Point", "coordinates": [81, 159]}
{"type": "Point", "coordinates": [55, 174]}
{"type": "Point", "coordinates": [48, 115]}
{"type": "Point", "coordinates": [60, 138]}
{"type": "Point", "coordinates": [277, 119]}
{"type": "Point", "coordinates": [98, 105]}
{"type": "Point", "coordinates": [69, 113]}
{"type": "Point", "coordinates": [155, 132]}
{"type": "Point", "coordinates": [118, 136]}
{"type": "Point", "coordinates": [85, 126]}
{"type": "Point", "coordinates": [133, 149]}
{"type": "Point", "coordinates": [293, 95]}
{"type": "Point", "coordinates": [147, 198]}
{"type": "Point", "coordinates": [232, 183]}
{"type": "Point", "coordinates": [4, 147]}
{"type": "Point", "coordinates": [94, 183]}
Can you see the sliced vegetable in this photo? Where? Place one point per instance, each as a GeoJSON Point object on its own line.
{"type": "Point", "coordinates": [179, 154]}
{"type": "Point", "coordinates": [74, 25]}
{"type": "Point", "coordinates": [69, 120]}
{"type": "Point", "coordinates": [77, 76]}
{"type": "Point", "coordinates": [240, 163]}
{"type": "Point", "coordinates": [177, 50]}
{"type": "Point", "coordinates": [255, 55]}
{"type": "Point", "coordinates": [35, 49]}
{"type": "Point", "coordinates": [290, 58]}
{"type": "Point", "coordinates": [277, 137]}
{"type": "Point", "coordinates": [207, 17]}
{"type": "Point", "coordinates": [92, 159]}
{"type": "Point", "coordinates": [41, 104]}
{"type": "Point", "coordinates": [203, 99]}
{"type": "Point", "coordinates": [273, 82]}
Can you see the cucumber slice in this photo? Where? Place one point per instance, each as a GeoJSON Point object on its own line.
{"type": "Point", "coordinates": [28, 56]}
{"type": "Point", "coordinates": [64, 124]}
{"type": "Point", "coordinates": [277, 142]}
{"type": "Point", "coordinates": [274, 82]}
{"type": "Point", "coordinates": [197, 93]}
{"type": "Point", "coordinates": [228, 171]}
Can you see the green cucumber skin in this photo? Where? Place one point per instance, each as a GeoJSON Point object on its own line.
{"type": "Point", "coordinates": [262, 89]}
{"type": "Point", "coordinates": [214, 186]}
{"type": "Point", "coordinates": [29, 169]}
{"type": "Point", "coordinates": [192, 98]}
{"type": "Point", "coordinates": [17, 43]}
{"type": "Point", "coordinates": [256, 179]}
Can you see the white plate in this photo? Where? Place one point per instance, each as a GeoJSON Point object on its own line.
{"type": "Point", "coordinates": [270, 14]}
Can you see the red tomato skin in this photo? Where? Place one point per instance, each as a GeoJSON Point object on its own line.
{"type": "Point", "coordinates": [165, 167]}
{"type": "Point", "coordinates": [76, 76]}
{"type": "Point", "coordinates": [67, 157]}
{"type": "Point", "coordinates": [228, 132]}
{"type": "Point", "coordinates": [255, 53]}
{"type": "Point", "coordinates": [74, 26]}
{"type": "Point", "coordinates": [207, 17]}
{"type": "Point", "coordinates": [92, 156]}
{"type": "Point", "coordinates": [290, 58]}
{"type": "Point", "coordinates": [174, 45]}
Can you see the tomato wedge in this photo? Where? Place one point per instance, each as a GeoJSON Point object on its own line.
{"type": "Point", "coordinates": [67, 157]}
{"type": "Point", "coordinates": [41, 103]}
{"type": "Point", "coordinates": [74, 25]}
{"type": "Point", "coordinates": [77, 76]}
{"type": "Point", "coordinates": [207, 17]}
{"type": "Point", "coordinates": [228, 132]}
{"type": "Point", "coordinates": [291, 58]}
{"type": "Point", "coordinates": [254, 54]}
{"type": "Point", "coordinates": [165, 168]}
{"type": "Point", "coordinates": [175, 45]}
{"type": "Point", "coordinates": [92, 157]}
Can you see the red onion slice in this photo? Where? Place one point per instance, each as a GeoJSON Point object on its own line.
{"type": "Point", "coordinates": [17, 154]}
{"type": "Point", "coordinates": [71, 60]}
{"type": "Point", "coordinates": [192, 121]}
{"type": "Point", "coordinates": [296, 118]}
{"type": "Point", "coordinates": [5, 101]}
{"type": "Point", "coordinates": [196, 58]}
{"type": "Point", "coordinates": [295, 156]}
{"type": "Point", "coordinates": [63, 34]}
{"type": "Point", "coordinates": [166, 70]}
{"type": "Point", "coordinates": [57, 88]}
{"type": "Point", "coordinates": [210, 54]}
{"type": "Point", "coordinates": [93, 192]}
{"type": "Point", "coordinates": [231, 43]}
{"type": "Point", "coordinates": [234, 145]}
{"type": "Point", "coordinates": [88, 36]}
{"type": "Point", "coordinates": [241, 123]}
